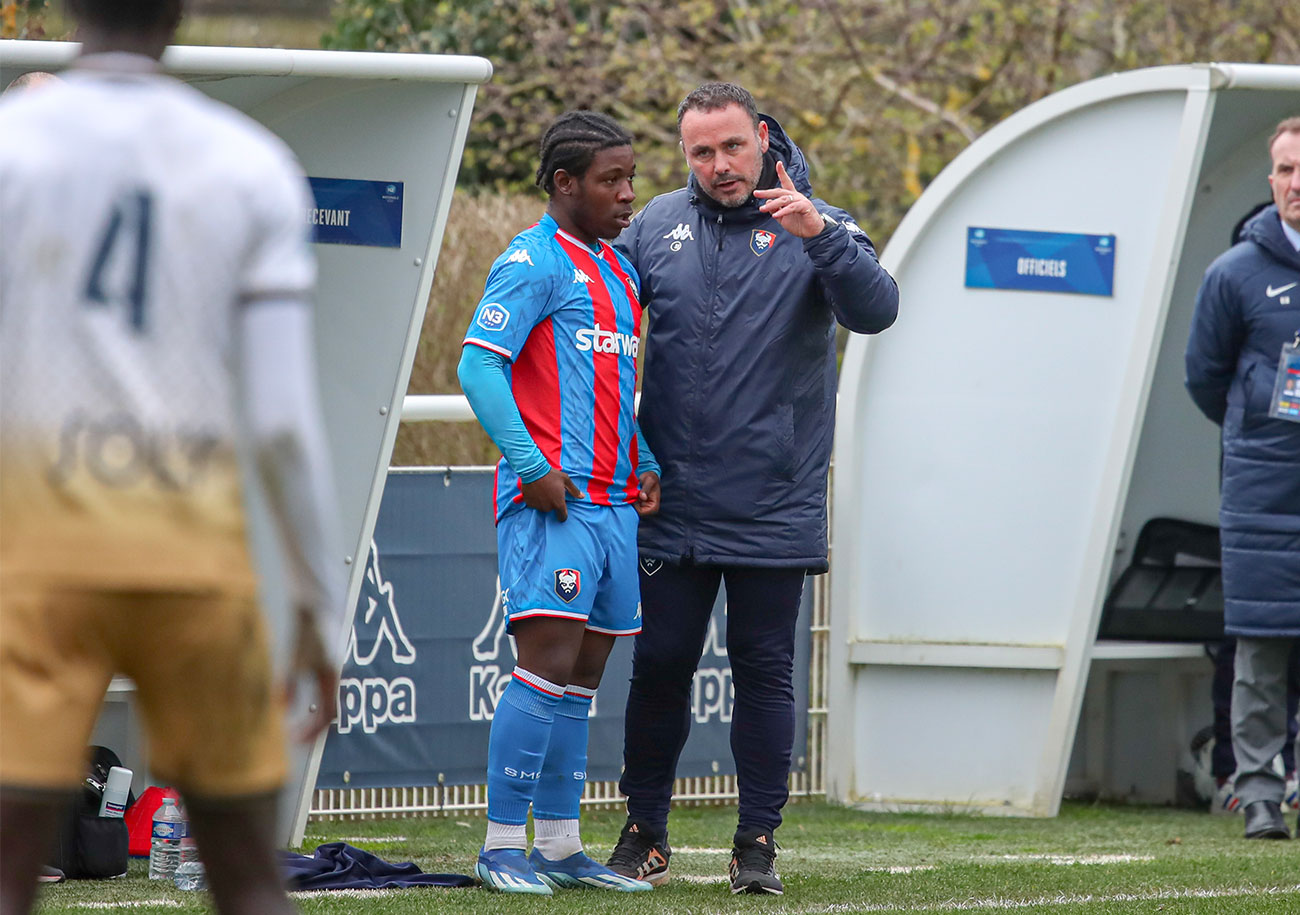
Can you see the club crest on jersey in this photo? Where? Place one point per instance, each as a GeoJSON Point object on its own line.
{"type": "Point", "coordinates": [650, 566]}
{"type": "Point", "coordinates": [761, 241]}
{"type": "Point", "coordinates": [492, 317]}
{"type": "Point", "coordinates": [568, 584]}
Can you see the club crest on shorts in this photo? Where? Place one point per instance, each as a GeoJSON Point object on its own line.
{"type": "Point", "coordinates": [568, 584]}
{"type": "Point", "coordinates": [650, 566]}
{"type": "Point", "coordinates": [760, 241]}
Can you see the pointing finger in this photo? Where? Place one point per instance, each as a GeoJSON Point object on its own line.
{"type": "Point", "coordinates": [783, 176]}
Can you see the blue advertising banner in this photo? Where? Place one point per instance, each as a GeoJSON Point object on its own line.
{"type": "Point", "coordinates": [1040, 261]}
{"type": "Point", "coordinates": [428, 656]}
{"type": "Point", "coordinates": [353, 212]}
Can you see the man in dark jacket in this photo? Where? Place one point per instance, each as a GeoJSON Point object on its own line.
{"type": "Point", "coordinates": [744, 275]}
{"type": "Point", "coordinates": [1241, 352]}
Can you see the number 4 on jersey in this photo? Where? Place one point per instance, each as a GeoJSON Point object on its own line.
{"type": "Point", "coordinates": [131, 216]}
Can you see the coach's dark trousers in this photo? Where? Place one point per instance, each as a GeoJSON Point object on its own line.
{"type": "Point", "coordinates": [762, 610]}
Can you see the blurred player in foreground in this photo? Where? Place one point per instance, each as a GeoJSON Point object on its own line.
{"type": "Point", "coordinates": [549, 366]}
{"type": "Point", "coordinates": [155, 338]}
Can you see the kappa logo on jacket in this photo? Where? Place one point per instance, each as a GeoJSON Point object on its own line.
{"type": "Point", "coordinates": [678, 235]}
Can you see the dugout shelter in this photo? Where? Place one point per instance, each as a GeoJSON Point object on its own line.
{"type": "Point", "coordinates": [381, 137]}
{"type": "Point", "coordinates": [999, 450]}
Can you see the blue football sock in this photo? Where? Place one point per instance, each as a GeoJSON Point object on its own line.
{"type": "Point", "coordinates": [521, 730]}
{"type": "Point", "coordinates": [564, 772]}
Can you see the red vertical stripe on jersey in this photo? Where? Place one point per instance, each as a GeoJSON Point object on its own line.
{"type": "Point", "coordinates": [535, 379]}
{"type": "Point", "coordinates": [633, 485]}
{"type": "Point", "coordinates": [607, 398]}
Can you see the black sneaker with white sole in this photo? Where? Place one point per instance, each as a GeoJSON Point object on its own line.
{"type": "Point", "coordinates": [753, 863]}
{"type": "Point", "coordinates": [641, 853]}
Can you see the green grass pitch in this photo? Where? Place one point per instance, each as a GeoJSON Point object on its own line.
{"type": "Point", "coordinates": [1090, 859]}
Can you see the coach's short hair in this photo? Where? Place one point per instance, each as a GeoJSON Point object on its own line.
{"type": "Point", "coordinates": [126, 15]}
{"type": "Point", "coordinates": [712, 96]}
{"type": "Point", "coordinates": [1289, 125]}
{"type": "Point", "coordinates": [572, 141]}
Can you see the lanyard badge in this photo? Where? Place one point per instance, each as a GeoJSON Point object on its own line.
{"type": "Point", "coordinates": [1286, 389]}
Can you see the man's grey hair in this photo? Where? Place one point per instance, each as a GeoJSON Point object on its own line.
{"type": "Point", "coordinates": [1290, 125]}
{"type": "Point", "coordinates": [713, 96]}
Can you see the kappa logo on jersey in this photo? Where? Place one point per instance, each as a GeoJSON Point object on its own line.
{"type": "Point", "coordinates": [492, 317]}
{"type": "Point", "coordinates": [761, 241]}
{"type": "Point", "coordinates": [606, 341]}
{"type": "Point", "coordinates": [580, 277]}
{"type": "Point", "coordinates": [650, 566]}
{"type": "Point", "coordinates": [375, 700]}
{"type": "Point", "coordinates": [678, 235]}
{"type": "Point", "coordinates": [568, 584]}
{"type": "Point", "coordinates": [520, 257]}
{"type": "Point", "coordinates": [854, 228]}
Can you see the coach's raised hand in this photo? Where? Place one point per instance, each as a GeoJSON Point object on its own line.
{"type": "Point", "coordinates": [547, 494]}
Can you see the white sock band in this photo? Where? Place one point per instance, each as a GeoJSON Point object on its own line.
{"type": "Point", "coordinates": [556, 839]}
{"type": "Point", "coordinates": [505, 835]}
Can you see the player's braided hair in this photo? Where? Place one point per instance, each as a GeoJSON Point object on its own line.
{"type": "Point", "coordinates": [572, 141]}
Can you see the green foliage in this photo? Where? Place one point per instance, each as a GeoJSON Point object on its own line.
{"type": "Point", "coordinates": [26, 19]}
{"type": "Point", "coordinates": [880, 96]}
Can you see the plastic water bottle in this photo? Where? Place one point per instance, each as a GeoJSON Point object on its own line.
{"type": "Point", "coordinates": [191, 876]}
{"type": "Point", "coordinates": [169, 829]}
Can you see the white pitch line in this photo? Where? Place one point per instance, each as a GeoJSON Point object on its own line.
{"type": "Point", "coordinates": [1073, 859]}
{"type": "Point", "coordinates": [997, 903]}
{"type": "Point", "coordinates": [901, 868]}
{"type": "Point", "coordinates": [352, 840]}
{"type": "Point", "coordinates": [136, 904]}
{"type": "Point", "coordinates": [698, 878]}
{"type": "Point", "coordinates": [688, 850]}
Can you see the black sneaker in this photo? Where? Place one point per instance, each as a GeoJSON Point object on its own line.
{"type": "Point", "coordinates": [641, 853]}
{"type": "Point", "coordinates": [753, 863]}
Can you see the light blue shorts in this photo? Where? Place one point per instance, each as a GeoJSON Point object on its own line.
{"type": "Point", "coordinates": [584, 568]}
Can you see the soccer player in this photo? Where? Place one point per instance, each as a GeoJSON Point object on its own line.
{"type": "Point", "coordinates": [154, 302]}
{"type": "Point", "coordinates": [549, 366]}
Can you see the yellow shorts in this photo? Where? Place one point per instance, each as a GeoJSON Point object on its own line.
{"type": "Point", "coordinates": [202, 670]}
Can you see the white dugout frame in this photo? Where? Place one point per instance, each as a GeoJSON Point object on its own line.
{"type": "Point", "coordinates": [356, 115]}
{"type": "Point", "coordinates": [998, 451]}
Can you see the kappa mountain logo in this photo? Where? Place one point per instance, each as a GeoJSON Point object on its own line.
{"type": "Point", "coordinates": [520, 257]}
{"type": "Point", "coordinates": [761, 241]}
{"type": "Point", "coordinates": [568, 584]}
{"type": "Point", "coordinates": [580, 277]}
{"type": "Point", "coordinates": [678, 235]}
{"type": "Point", "coordinates": [376, 700]}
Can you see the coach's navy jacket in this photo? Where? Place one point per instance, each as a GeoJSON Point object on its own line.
{"type": "Point", "coordinates": [1247, 308]}
{"type": "Point", "coordinates": [738, 400]}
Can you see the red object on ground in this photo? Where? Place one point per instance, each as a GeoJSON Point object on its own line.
{"type": "Point", "coordinates": [139, 818]}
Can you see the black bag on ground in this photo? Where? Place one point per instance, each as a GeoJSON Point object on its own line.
{"type": "Point", "coordinates": [90, 846]}
{"type": "Point", "coordinates": [1173, 589]}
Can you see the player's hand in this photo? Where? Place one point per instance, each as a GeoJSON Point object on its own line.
{"type": "Point", "coordinates": [792, 210]}
{"type": "Point", "coordinates": [310, 659]}
{"type": "Point", "coordinates": [647, 501]}
{"type": "Point", "coordinates": [547, 494]}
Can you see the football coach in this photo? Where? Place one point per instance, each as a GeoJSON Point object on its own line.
{"type": "Point", "coordinates": [744, 275]}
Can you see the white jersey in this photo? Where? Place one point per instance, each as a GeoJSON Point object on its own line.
{"type": "Point", "coordinates": [138, 218]}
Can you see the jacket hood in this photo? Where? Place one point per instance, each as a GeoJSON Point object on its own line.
{"type": "Point", "coordinates": [1265, 230]}
{"type": "Point", "coordinates": [779, 148]}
